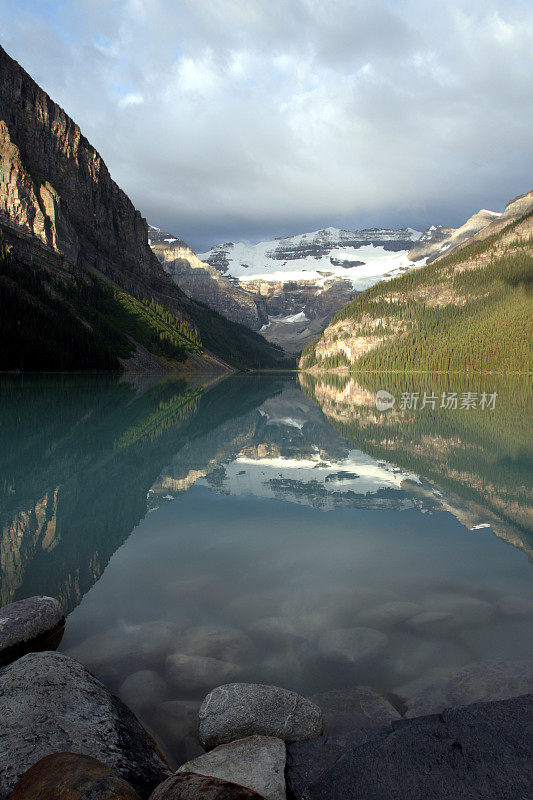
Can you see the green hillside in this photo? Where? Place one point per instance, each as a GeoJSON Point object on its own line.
{"type": "Point", "coordinates": [61, 319]}
{"type": "Point", "coordinates": [469, 311]}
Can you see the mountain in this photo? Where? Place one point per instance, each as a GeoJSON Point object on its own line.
{"type": "Point", "coordinates": [438, 239]}
{"type": "Point", "coordinates": [79, 285]}
{"type": "Point", "coordinates": [469, 310]}
{"type": "Point", "coordinates": [203, 282]}
{"type": "Point", "coordinates": [299, 282]}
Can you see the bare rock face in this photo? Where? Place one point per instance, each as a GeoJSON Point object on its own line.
{"type": "Point", "coordinates": [256, 762]}
{"type": "Point", "coordinates": [55, 186]}
{"type": "Point", "coordinates": [36, 623]}
{"type": "Point", "coordinates": [49, 703]}
{"type": "Point", "coordinates": [203, 282]}
{"type": "Point", "coordinates": [71, 776]}
{"type": "Point", "coordinates": [238, 710]}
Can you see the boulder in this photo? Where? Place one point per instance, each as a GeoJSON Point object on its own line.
{"type": "Point", "coordinates": [307, 760]}
{"type": "Point", "coordinates": [71, 776]}
{"type": "Point", "coordinates": [346, 710]}
{"type": "Point", "coordinates": [237, 710]}
{"type": "Point", "coordinates": [198, 673]}
{"type": "Point", "coordinates": [256, 762]}
{"type": "Point", "coordinates": [189, 786]}
{"type": "Point", "coordinates": [49, 703]}
{"type": "Point", "coordinates": [482, 681]}
{"type": "Point", "coordinates": [36, 623]}
{"type": "Point", "coordinates": [352, 644]}
{"type": "Point", "coordinates": [483, 751]}
{"type": "Point", "coordinates": [143, 690]}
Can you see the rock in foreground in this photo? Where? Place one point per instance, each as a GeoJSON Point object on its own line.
{"type": "Point", "coordinates": [483, 750]}
{"type": "Point", "coordinates": [49, 703]}
{"type": "Point", "coordinates": [70, 776]}
{"type": "Point", "coordinates": [257, 762]}
{"type": "Point", "coordinates": [188, 786]}
{"type": "Point", "coordinates": [36, 623]}
{"type": "Point", "coordinates": [237, 710]}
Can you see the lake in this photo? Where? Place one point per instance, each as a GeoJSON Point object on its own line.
{"type": "Point", "coordinates": [270, 528]}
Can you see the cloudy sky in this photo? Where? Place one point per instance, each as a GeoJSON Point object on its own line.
{"type": "Point", "coordinates": [249, 119]}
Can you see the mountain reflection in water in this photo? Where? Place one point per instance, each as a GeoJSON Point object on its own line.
{"type": "Point", "coordinates": [212, 532]}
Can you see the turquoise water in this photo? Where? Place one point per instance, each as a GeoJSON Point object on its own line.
{"type": "Point", "coordinates": [204, 533]}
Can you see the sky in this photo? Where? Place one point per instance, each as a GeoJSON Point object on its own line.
{"type": "Point", "coordinates": [228, 120]}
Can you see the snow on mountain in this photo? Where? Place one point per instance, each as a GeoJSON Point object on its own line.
{"type": "Point", "coordinates": [356, 257]}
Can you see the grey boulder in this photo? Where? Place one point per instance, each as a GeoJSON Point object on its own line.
{"type": "Point", "coordinates": [482, 751]}
{"type": "Point", "coordinates": [237, 710]}
{"type": "Point", "coordinates": [256, 762]}
{"type": "Point", "coordinates": [36, 623]}
{"type": "Point", "coordinates": [49, 703]}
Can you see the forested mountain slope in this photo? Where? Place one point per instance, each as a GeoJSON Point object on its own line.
{"type": "Point", "coordinates": [79, 285]}
{"type": "Point", "coordinates": [470, 310]}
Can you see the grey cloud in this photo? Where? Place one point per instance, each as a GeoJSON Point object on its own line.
{"type": "Point", "coordinates": [228, 119]}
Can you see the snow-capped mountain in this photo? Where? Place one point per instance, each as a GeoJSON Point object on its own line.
{"type": "Point", "coordinates": [304, 280]}
{"type": "Point", "coordinates": [358, 257]}
{"type": "Point", "coordinates": [290, 288]}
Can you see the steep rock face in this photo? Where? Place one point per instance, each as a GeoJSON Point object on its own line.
{"type": "Point", "coordinates": [203, 282]}
{"type": "Point", "coordinates": [55, 186]}
{"type": "Point", "coordinates": [514, 210]}
{"type": "Point", "coordinates": [439, 240]}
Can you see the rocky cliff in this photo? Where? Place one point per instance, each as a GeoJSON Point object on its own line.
{"type": "Point", "coordinates": [205, 283]}
{"type": "Point", "coordinates": [55, 185]}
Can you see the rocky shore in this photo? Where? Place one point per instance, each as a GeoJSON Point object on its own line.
{"type": "Point", "coordinates": [64, 735]}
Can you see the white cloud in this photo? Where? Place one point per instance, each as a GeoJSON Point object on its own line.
{"type": "Point", "coordinates": [246, 118]}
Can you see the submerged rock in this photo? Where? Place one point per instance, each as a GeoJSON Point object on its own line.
{"type": "Point", "coordinates": [486, 680]}
{"type": "Point", "coordinates": [237, 710]}
{"type": "Point", "coordinates": [352, 644]}
{"type": "Point", "coordinates": [49, 703]}
{"type": "Point", "coordinates": [225, 644]}
{"type": "Point", "coordinates": [346, 710]}
{"type": "Point", "coordinates": [483, 750]}
{"type": "Point", "coordinates": [36, 623]}
{"type": "Point", "coordinates": [111, 654]}
{"type": "Point", "coordinates": [466, 610]}
{"type": "Point", "coordinates": [198, 673]}
{"type": "Point", "coordinates": [143, 690]}
{"type": "Point", "coordinates": [175, 725]}
{"type": "Point", "coordinates": [71, 776]}
{"type": "Point", "coordinates": [389, 613]}
{"type": "Point", "coordinates": [256, 762]}
{"type": "Point", "coordinates": [189, 786]}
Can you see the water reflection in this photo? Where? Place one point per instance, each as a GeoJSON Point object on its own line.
{"type": "Point", "coordinates": [258, 529]}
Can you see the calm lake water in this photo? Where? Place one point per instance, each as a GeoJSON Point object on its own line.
{"type": "Point", "coordinates": [241, 530]}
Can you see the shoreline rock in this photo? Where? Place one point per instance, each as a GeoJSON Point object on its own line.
{"type": "Point", "coordinates": [50, 703]}
{"type": "Point", "coordinates": [33, 624]}
{"type": "Point", "coordinates": [237, 710]}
